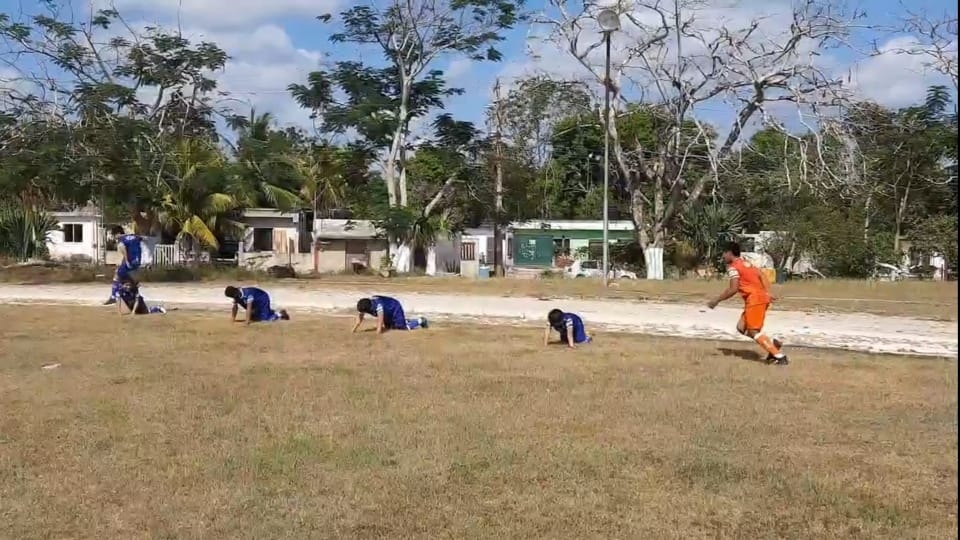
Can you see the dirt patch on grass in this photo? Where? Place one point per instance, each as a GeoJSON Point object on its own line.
{"type": "Point", "coordinates": [918, 299]}
{"type": "Point", "coordinates": [187, 426]}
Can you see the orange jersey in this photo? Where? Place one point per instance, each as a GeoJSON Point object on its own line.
{"type": "Point", "coordinates": [751, 285]}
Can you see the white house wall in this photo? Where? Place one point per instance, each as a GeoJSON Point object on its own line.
{"type": "Point", "coordinates": [61, 250]}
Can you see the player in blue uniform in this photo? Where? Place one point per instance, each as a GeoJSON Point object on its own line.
{"type": "Point", "coordinates": [569, 325]}
{"type": "Point", "coordinates": [256, 304]}
{"type": "Point", "coordinates": [389, 314]}
{"type": "Point", "coordinates": [129, 247]}
{"type": "Point", "coordinates": [129, 297]}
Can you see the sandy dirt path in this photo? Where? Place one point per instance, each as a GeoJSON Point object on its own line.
{"type": "Point", "coordinates": [860, 332]}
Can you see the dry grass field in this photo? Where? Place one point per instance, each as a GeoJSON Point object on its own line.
{"type": "Point", "coordinates": [921, 299]}
{"type": "Point", "coordinates": [202, 429]}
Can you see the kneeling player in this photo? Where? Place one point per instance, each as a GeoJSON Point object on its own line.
{"type": "Point", "coordinates": [256, 304]}
{"type": "Point", "coordinates": [389, 314]}
{"type": "Point", "coordinates": [754, 287]}
{"type": "Point", "coordinates": [569, 325]}
{"type": "Point", "coordinates": [129, 297]}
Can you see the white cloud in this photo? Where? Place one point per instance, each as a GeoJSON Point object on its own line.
{"type": "Point", "coordinates": [223, 13]}
{"type": "Point", "coordinates": [263, 57]}
{"type": "Point", "coordinates": [457, 69]}
{"type": "Point", "coordinates": [263, 62]}
{"type": "Point", "coordinates": [894, 77]}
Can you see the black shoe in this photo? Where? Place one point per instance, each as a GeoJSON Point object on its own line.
{"type": "Point", "coordinates": [110, 301]}
{"type": "Point", "coordinates": [771, 359]}
{"type": "Point", "coordinates": [782, 361]}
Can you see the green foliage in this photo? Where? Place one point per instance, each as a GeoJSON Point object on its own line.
{"type": "Point", "coordinates": [937, 234]}
{"type": "Point", "coordinates": [24, 232]}
{"type": "Point", "coordinates": [708, 227]}
{"type": "Point", "coordinates": [90, 135]}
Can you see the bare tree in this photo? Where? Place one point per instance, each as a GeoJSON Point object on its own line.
{"type": "Point", "coordinates": [934, 39]}
{"type": "Point", "coordinates": [674, 63]}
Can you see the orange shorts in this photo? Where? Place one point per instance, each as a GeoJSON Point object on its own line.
{"type": "Point", "coordinates": [754, 316]}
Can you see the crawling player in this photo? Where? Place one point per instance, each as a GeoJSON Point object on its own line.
{"type": "Point", "coordinates": [256, 304]}
{"type": "Point", "coordinates": [129, 297]}
{"type": "Point", "coordinates": [754, 287]}
{"type": "Point", "coordinates": [569, 325]}
{"type": "Point", "coordinates": [389, 314]}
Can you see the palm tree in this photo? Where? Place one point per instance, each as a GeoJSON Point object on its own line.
{"type": "Point", "coordinates": [192, 203]}
{"type": "Point", "coordinates": [258, 177]}
{"type": "Point", "coordinates": [321, 176]}
{"type": "Point", "coordinates": [709, 226]}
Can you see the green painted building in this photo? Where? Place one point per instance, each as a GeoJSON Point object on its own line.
{"type": "Point", "coordinates": [536, 243]}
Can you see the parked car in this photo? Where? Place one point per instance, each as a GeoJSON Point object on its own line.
{"type": "Point", "coordinates": [594, 269]}
{"type": "Point", "coordinates": [889, 272]}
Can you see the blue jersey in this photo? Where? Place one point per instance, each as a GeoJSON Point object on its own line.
{"type": "Point", "coordinates": [254, 297]}
{"type": "Point", "coordinates": [571, 327]}
{"type": "Point", "coordinates": [392, 311]}
{"type": "Point", "coordinates": [131, 243]}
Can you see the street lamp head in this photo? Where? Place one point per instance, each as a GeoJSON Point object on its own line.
{"type": "Point", "coordinates": [609, 20]}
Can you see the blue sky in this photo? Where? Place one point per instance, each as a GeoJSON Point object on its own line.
{"type": "Point", "coordinates": [277, 42]}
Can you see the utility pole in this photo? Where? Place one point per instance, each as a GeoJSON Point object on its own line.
{"type": "Point", "coordinates": [498, 184]}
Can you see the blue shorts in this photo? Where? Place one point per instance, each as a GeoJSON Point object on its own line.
{"type": "Point", "coordinates": [125, 270]}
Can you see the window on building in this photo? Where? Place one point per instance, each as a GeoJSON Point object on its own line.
{"type": "Point", "coordinates": [468, 251]}
{"type": "Point", "coordinates": [561, 246]}
{"type": "Point", "coordinates": [72, 233]}
{"type": "Point", "coordinates": [263, 239]}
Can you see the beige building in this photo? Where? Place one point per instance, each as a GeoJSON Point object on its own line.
{"type": "Point", "coordinates": [275, 238]}
{"type": "Point", "coordinates": [347, 245]}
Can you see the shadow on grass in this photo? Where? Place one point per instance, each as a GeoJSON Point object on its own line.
{"type": "Point", "coordinates": [743, 354]}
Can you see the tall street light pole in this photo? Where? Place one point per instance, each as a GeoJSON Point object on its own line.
{"type": "Point", "coordinates": [609, 21]}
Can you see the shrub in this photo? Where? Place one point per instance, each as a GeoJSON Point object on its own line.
{"type": "Point", "coordinates": [24, 232]}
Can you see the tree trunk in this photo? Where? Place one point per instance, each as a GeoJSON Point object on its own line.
{"type": "Point", "coordinates": [400, 138]}
{"type": "Point", "coordinates": [866, 217]}
{"type": "Point", "coordinates": [653, 257]}
{"type": "Point", "coordinates": [901, 211]}
{"type": "Point", "coordinates": [390, 171]}
{"type": "Point", "coordinates": [402, 183]}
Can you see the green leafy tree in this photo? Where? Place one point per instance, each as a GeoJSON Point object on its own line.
{"type": "Point", "coordinates": [412, 36]}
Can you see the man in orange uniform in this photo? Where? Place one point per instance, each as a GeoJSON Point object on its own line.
{"type": "Point", "coordinates": [754, 287]}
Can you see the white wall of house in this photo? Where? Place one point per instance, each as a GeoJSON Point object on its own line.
{"type": "Point", "coordinates": [484, 241]}
{"type": "Point", "coordinates": [76, 238]}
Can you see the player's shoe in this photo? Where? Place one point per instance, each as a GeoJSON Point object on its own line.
{"type": "Point", "coordinates": [424, 323]}
{"type": "Point", "coordinates": [110, 301]}
{"type": "Point", "coordinates": [771, 359]}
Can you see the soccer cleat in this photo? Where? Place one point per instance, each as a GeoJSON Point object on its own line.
{"type": "Point", "coordinates": [782, 361]}
{"type": "Point", "coordinates": [423, 322]}
{"type": "Point", "coordinates": [771, 359]}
